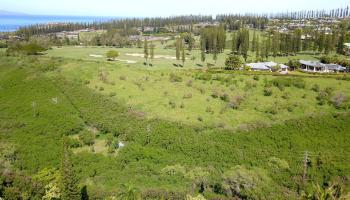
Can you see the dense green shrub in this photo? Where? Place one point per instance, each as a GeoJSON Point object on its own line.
{"type": "Point", "coordinates": [233, 62]}
{"type": "Point", "coordinates": [27, 48]}
{"type": "Point", "coordinates": [74, 143]}
{"type": "Point", "coordinates": [282, 82]}
{"type": "Point", "coordinates": [224, 97]}
{"type": "Point", "coordinates": [272, 110]}
{"type": "Point", "coordinates": [204, 76]}
{"type": "Point", "coordinates": [86, 137]}
{"type": "Point", "coordinates": [246, 183]}
{"type": "Point", "coordinates": [315, 88]}
{"type": "Point", "coordinates": [215, 94]}
{"type": "Point", "coordinates": [338, 100]}
{"type": "Point", "coordinates": [267, 91]}
{"type": "Point", "coordinates": [3, 44]}
{"type": "Point", "coordinates": [324, 96]}
{"type": "Point", "coordinates": [285, 95]}
{"type": "Point", "coordinates": [215, 150]}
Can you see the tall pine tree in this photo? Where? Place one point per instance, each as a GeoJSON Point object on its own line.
{"type": "Point", "coordinates": [145, 51]}
{"type": "Point", "coordinates": [203, 50]}
{"type": "Point", "coordinates": [69, 181]}
{"type": "Point", "coordinates": [215, 52]}
{"type": "Point", "coordinates": [152, 51]}
{"type": "Point", "coordinates": [183, 55]}
{"type": "Point", "coordinates": [234, 42]}
{"type": "Point", "coordinates": [178, 48]}
{"type": "Point", "coordinates": [340, 45]}
{"type": "Point", "coordinates": [254, 42]}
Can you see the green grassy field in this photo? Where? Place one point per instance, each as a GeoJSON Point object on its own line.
{"type": "Point", "coordinates": [184, 129]}
{"type": "Point", "coordinates": [163, 57]}
{"type": "Point", "coordinates": [191, 101]}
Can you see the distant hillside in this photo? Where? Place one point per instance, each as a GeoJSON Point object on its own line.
{"type": "Point", "coordinates": [9, 13]}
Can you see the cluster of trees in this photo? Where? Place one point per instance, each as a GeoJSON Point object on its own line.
{"type": "Point", "coordinates": [335, 59]}
{"type": "Point", "coordinates": [213, 39]}
{"type": "Point", "coordinates": [113, 37]}
{"type": "Point", "coordinates": [180, 50]}
{"type": "Point", "coordinates": [157, 23]}
{"type": "Point", "coordinates": [235, 22]}
{"type": "Point", "coordinates": [313, 14]}
{"type": "Point", "coordinates": [48, 183]}
{"type": "Point", "coordinates": [148, 52]}
{"type": "Point", "coordinates": [146, 156]}
{"type": "Point", "coordinates": [241, 43]}
{"type": "Point", "coordinates": [273, 43]}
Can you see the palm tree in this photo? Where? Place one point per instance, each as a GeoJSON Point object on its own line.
{"type": "Point", "coordinates": [331, 192]}
{"type": "Point", "coordinates": [128, 192]}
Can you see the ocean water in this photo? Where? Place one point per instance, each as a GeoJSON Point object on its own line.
{"type": "Point", "coordinates": [13, 22]}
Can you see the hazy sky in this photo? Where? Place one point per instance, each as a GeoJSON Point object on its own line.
{"type": "Point", "coordinates": [142, 8]}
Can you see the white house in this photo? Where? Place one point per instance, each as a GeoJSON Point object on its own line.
{"type": "Point", "coordinates": [315, 66]}
{"type": "Point", "coordinates": [266, 66]}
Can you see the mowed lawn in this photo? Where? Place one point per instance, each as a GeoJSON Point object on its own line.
{"type": "Point", "coordinates": [149, 91]}
{"type": "Point", "coordinates": [163, 57]}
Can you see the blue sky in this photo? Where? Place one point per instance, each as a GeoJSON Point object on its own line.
{"type": "Point", "coordinates": [143, 8]}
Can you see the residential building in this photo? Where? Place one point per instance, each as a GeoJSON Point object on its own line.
{"type": "Point", "coordinates": [315, 66]}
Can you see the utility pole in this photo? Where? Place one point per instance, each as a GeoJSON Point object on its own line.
{"type": "Point", "coordinates": [306, 159]}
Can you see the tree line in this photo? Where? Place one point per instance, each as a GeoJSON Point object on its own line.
{"type": "Point", "coordinates": [157, 23]}
{"type": "Point", "coordinates": [274, 43]}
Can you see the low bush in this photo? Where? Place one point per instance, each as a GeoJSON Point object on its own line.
{"type": "Point", "coordinates": [324, 96]}
{"type": "Point", "coordinates": [285, 95]}
{"type": "Point", "coordinates": [189, 83]}
{"type": "Point", "coordinates": [215, 93]}
{"type": "Point", "coordinates": [187, 96]}
{"type": "Point", "coordinates": [87, 138]}
{"type": "Point", "coordinates": [272, 110]}
{"type": "Point", "coordinates": [209, 110]}
{"type": "Point", "coordinates": [282, 82]}
{"type": "Point", "coordinates": [338, 100]}
{"type": "Point", "coordinates": [201, 90]}
{"type": "Point", "coordinates": [315, 88]}
{"type": "Point", "coordinates": [224, 97]}
{"type": "Point", "coordinates": [74, 143]}
{"type": "Point", "coordinates": [204, 76]}
{"type": "Point", "coordinates": [267, 91]}
{"type": "Point", "coordinates": [248, 86]}
{"type": "Point", "coordinates": [182, 105]}
{"type": "Point", "coordinates": [175, 78]}
{"type": "Point", "coordinates": [235, 102]}
{"type": "Point", "coordinates": [112, 94]}
{"type": "Point", "coordinates": [172, 104]}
